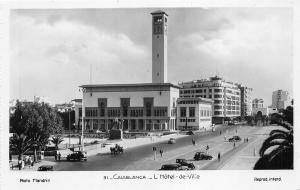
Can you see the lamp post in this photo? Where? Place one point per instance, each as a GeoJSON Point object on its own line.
{"type": "Point", "coordinates": [69, 127]}
{"type": "Point", "coordinates": [34, 157]}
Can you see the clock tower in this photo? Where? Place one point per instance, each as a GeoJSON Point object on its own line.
{"type": "Point", "coordinates": [159, 46]}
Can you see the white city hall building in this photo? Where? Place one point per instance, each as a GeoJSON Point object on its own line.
{"type": "Point", "coordinates": [140, 107]}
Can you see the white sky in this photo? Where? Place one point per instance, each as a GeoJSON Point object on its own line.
{"type": "Point", "coordinates": [52, 50]}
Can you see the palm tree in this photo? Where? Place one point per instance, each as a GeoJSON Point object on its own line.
{"type": "Point", "coordinates": [57, 140]}
{"type": "Point", "coordinates": [20, 143]}
{"type": "Point", "coordinates": [277, 150]}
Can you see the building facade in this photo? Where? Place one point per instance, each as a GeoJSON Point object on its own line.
{"type": "Point", "coordinates": [246, 100]}
{"type": "Point", "coordinates": [194, 113]}
{"type": "Point", "coordinates": [280, 99]}
{"type": "Point", "coordinates": [140, 107]}
{"type": "Point", "coordinates": [225, 96]}
{"type": "Point", "coordinates": [257, 103]}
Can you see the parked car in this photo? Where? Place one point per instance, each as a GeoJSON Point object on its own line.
{"type": "Point", "coordinates": [234, 139]}
{"type": "Point", "coordinates": [184, 162]}
{"type": "Point", "coordinates": [172, 141]}
{"type": "Point", "coordinates": [173, 167]}
{"type": "Point", "coordinates": [77, 155]}
{"type": "Point", "coordinates": [190, 133]}
{"type": "Point", "coordinates": [45, 168]}
{"type": "Point", "coordinates": [202, 156]}
{"type": "Point", "coordinates": [231, 123]}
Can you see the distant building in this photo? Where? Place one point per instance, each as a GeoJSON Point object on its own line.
{"type": "Point", "coordinates": [280, 99]}
{"type": "Point", "coordinates": [265, 111]}
{"type": "Point", "coordinates": [257, 103]}
{"type": "Point", "coordinates": [65, 107]}
{"type": "Point", "coordinates": [226, 96]}
{"type": "Point", "coordinates": [40, 99]}
{"type": "Point", "coordinates": [194, 113]}
{"type": "Point", "coordinates": [246, 100]}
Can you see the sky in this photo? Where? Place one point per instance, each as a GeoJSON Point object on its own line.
{"type": "Point", "coordinates": [53, 51]}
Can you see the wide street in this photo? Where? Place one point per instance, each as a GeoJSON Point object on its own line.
{"type": "Point", "coordinates": [142, 157]}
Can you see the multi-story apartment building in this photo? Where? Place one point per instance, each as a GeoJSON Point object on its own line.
{"type": "Point", "coordinates": [246, 100]}
{"type": "Point", "coordinates": [194, 113]}
{"type": "Point", "coordinates": [257, 103]}
{"type": "Point", "coordinates": [280, 99]}
{"type": "Point", "coordinates": [225, 96]}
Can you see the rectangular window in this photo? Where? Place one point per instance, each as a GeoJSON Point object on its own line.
{"type": "Point", "coordinates": [183, 112]}
{"type": "Point", "coordinates": [218, 90]}
{"type": "Point", "coordinates": [218, 107]}
{"type": "Point", "coordinates": [80, 112]}
{"type": "Point", "coordinates": [218, 96]}
{"type": "Point", "coordinates": [192, 111]}
{"type": "Point", "coordinates": [218, 101]}
{"type": "Point", "coordinates": [91, 112]}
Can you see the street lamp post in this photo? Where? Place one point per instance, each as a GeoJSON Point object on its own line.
{"type": "Point", "coordinates": [69, 127]}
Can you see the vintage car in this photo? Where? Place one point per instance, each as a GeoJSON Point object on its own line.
{"type": "Point", "coordinates": [77, 155]}
{"type": "Point", "coordinates": [173, 167]}
{"type": "Point", "coordinates": [190, 133]}
{"type": "Point", "coordinates": [117, 149]}
{"type": "Point", "coordinates": [234, 139]}
{"type": "Point", "coordinates": [172, 141]}
{"type": "Point", "coordinates": [202, 156]}
{"type": "Point", "coordinates": [45, 168]}
{"type": "Point", "coordinates": [184, 162]}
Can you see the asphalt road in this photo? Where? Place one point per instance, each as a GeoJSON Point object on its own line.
{"type": "Point", "coordinates": [132, 155]}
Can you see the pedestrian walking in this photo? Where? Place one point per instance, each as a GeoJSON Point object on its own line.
{"type": "Point", "coordinates": [30, 162]}
{"type": "Point", "coordinates": [193, 141]}
{"type": "Point", "coordinates": [59, 156]}
{"type": "Point", "coordinates": [55, 156]}
{"type": "Point", "coordinates": [161, 152]}
{"type": "Point", "coordinates": [219, 156]}
{"type": "Point", "coordinates": [234, 145]}
{"type": "Point", "coordinates": [220, 132]}
{"type": "Point", "coordinates": [247, 139]}
{"type": "Point", "coordinates": [207, 148]}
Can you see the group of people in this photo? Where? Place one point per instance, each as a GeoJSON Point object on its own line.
{"type": "Point", "coordinates": [27, 160]}
{"type": "Point", "coordinates": [57, 156]}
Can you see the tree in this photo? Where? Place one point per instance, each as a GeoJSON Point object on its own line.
{"type": "Point", "coordinates": [277, 150]}
{"type": "Point", "coordinates": [34, 122]}
{"type": "Point", "coordinates": [56, 140]}
{"type": "Point", "coordinates": [20, 144]}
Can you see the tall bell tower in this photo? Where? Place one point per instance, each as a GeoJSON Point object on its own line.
{"type": "Point", "coordinates": [159, 46]}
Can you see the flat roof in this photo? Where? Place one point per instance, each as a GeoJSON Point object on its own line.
{"type": "Point", "coordinates": [196, 98]}
{"type": "Point", "coordinates": [130, 85]}
{"type": "Point", "coordinates": [159, 12]}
